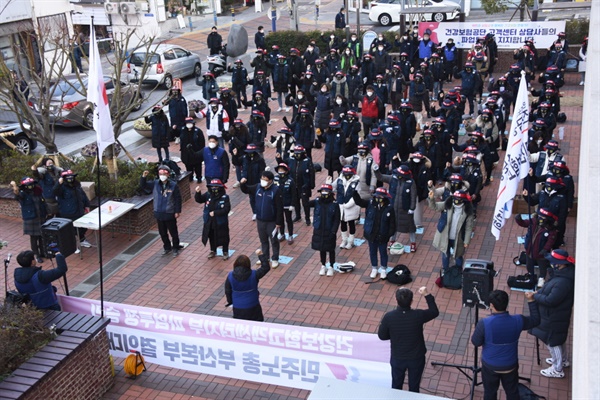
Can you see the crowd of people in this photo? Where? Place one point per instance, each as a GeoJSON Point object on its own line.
{"type": "Point", "coordinates": [389, 132]}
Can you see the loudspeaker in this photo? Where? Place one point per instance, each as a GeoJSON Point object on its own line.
{"type": "Point", "coordinates": [478, 282]}
{"type": "Point", "coordinates": [61, 232]}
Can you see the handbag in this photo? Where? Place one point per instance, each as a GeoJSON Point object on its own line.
{"type": "Point", "coordinates": [452, 278]}
{"type": "Point", "coordinates": [521, 259]}
{"type": "Point", "coordinates": [526, 281]}
{"type": "Point", "coordinates": [397, 249]}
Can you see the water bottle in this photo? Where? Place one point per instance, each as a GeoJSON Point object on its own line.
{"type": "Point", "coordinates": [561, 133]}
{"type": "Point", "coordinates": [461, 130]}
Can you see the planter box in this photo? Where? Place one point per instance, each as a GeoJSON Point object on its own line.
{"type": "Point", "coordinates": [74, 365]}
{"type": "Point", "coordinates": [144, 132]}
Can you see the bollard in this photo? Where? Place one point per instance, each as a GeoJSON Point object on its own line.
{"type": "Point", "coordinates": [190, 23]}
{"type": "Point", "coordinates": [232, 14]}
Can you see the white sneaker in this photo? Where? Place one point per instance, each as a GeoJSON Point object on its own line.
{"type": "Point", "coordinates": [566, 364]}
{"type": "Point", "coordinates": [382, 273]}
{"type": "Point", "coordinates": [253, 217]}
{"type": "Point", "coordinates": [322, 270]}
{"type": "Point", "coordinates": [77, 251]}
{"type": "Point", "coordinates": [349, 242]}
{"type": "Point", "coordinates": [287, 109]}
{"type": "Point", "coordinates": [280, 236]}
{"type": "Point", "coordinates": [541, 282]}
{"type": "Point", "coordinates": [344, 240]}
{"type": "Point", "coordinates": [274, 264]}
{"type": "Point", "coordinates": [552, 373]}
{"type": "Point", "coordinates": [373, 273]}
{"type": "Point", "coordinates": [85, 243]}
{"type": "Point", "coordinates": [177, 140]}
{"type": "Point", "coordinates": [581, 83]}
{"type": "Point", "coordinates": [279, 109]}
{"type": "Point", "coordinates": [329, 271]}
{"type": "Point", "coordinates": [236, 185]}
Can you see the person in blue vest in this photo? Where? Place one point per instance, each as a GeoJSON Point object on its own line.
{"type": "Point", "coordinates": [47, 174]}
{"type": "Point", "coordinates": [499, 335]}
{"type": "Point", "coordinates": [450, 55]}
{"type": "Point", "coordinates": [288, 190]}
{"type": "Point", "coordinates": [426, 47]}
{"type": "Point", "coordinates": [241, 288]}
{"type": "Point", "coordinates": [167, 207]}
{"type": "Point", "coordinates": [253, 165]}
{"type": "Point", "coordinates": [191, 140]}
{"type": "Point", "coordinates": [73, 203]}
{"type": "Point", "coordinates": [269, 214]}
{"type": "Point", "coordinates": [160, 131]}
{"type": "Point", "coordinates": [178, 111]}
{"type": "Point", "coordinates": [216, 160]}
{"type": "Point", "coordinates": [380, 226]}
{"type": "Point", "coordinates": [33, 281]}
{"type": "Point", "coordinates": [326, 221]}
{"type": "Point", "coordinates": [215, 228]}
{"type": "Point", "coordinates": [33, 212]}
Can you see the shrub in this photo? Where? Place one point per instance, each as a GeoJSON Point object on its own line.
{"type": "Point", "coordinates": [15, 166]}
{"type": "Point", "coordinates": [22, 334]}
{"type": "Point", "coordinates": [577, 29]}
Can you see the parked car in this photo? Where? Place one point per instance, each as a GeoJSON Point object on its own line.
{"type": "Point", "coordinates": [387, 12]}
{"type": "Point", "coordinates": [21, 138]}
{"type": "Point", "coordinates": [69, 106]}
{"type": "Point", "coordinates": [165, 63]}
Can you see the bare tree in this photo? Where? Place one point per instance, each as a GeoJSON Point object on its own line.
{"type": "Point", "coordinates": [39, 61]}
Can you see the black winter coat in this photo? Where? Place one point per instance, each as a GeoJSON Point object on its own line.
{"type": "Point", "coordinates": [555, 300]}
{"type": "Point", "coordinates": [160, 130]}
{"type": "Point", "coordinates": [216, 226]}
{"type": "Point", "coordinates": [195, 137]}
{"type": "Point", "coordinates": [326, 220]}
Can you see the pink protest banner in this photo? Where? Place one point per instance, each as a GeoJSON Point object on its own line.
{"type": "Point", "coordinates": [286, 355]}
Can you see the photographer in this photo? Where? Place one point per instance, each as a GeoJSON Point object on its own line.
{"type": "Point", "coordinates": [33, 281]}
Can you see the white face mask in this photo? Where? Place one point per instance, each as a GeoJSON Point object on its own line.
{"type": "Point", "coordinates": [212, 145]}
{"type": "Point", "coordinates": [416, 160]}
{"type": "Point", "coordinates": [300, 97]}
{"type": "Point", "coordinates": [380, 48]}
{"type": "Point", "coordinates": [189, 126]}
{"type": "Point", "coordinates": [538, 142]}
{"type": "Point", "coordinates": [264, 183]}
{"type": "Point", "coordinates": [324, 90]}
{"type": "Point", "coordinates": [380, 38]}
{"type": "Point", "coordinates": [163, 178]}
{"type": "Point", "coordinates": [338, 101]}
{"type": "Point", "coordinates": [348, 52]}
{"type": "Point", "coordinates": [369, 93]}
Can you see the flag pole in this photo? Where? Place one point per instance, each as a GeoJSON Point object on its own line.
{"type": "Point", "coordinates": [99, 191]}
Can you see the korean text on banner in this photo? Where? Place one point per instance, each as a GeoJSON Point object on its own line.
{"type": "Point", "coordinates": [508, 35]}
{"type": "Point", "coordinates": [96, 94]}
{"type": "Point", "coordinates": [285, 355]}
{"type": "Point", "coordinates": [516, 160]}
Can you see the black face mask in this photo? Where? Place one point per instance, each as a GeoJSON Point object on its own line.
{"type": "Point", "coordinates": [455, 186]}
{"type": "Point", "coordinates": [458, 202]}
{"type": "Point", "coordinates": [28, 188]}
{"type": "Point", "coordinates": [362, 153]}
{"type": "Point", "coordinates": [379, 201]}
{"type": "Point", "coordinates": [70, 181]}
{"type": "Point", "coordinates": [215, 192]}
{"type": "Point", "coordinates": [326, 198]}
{"type": "Point", "coordinates": [50, 167]}
{"type": "Point", "coordinates": [542, 222]}
{"type": "Point", "coordinates": [298, 156]}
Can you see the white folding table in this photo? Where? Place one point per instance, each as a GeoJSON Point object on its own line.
{"type": "Point", "coordinates": [110, 212]}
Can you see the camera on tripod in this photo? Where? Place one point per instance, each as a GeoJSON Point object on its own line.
{"type": "Point", "coordinates": [478, 282]}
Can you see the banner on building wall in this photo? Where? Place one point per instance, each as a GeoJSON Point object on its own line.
{"type": "Point", "coordinates": [285, 355]}
{"type": "Point", "coordinates": [509, 35]}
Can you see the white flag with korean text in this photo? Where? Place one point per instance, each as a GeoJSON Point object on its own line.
{"type": "Point", "coordinates": [96, 94]}
{"type": "Point", "coordinates": [516, 160]}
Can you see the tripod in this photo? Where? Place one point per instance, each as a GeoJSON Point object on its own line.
{"type": "Point", "coordinates": [464, 368]}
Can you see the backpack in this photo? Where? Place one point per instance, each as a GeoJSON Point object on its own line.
{"type": "Point", "coordinates": [175, 170]}
{"type": "Point", "coordinates": [527, 394]}
{"type": "Point", "coordinates": [452, 278]}
{"type": "Point", "coordinates": [526, 281]}
{"type": "Point", "coordinates": [399, 275]}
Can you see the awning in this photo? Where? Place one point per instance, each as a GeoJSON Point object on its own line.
{"type": "Point", "coordinates": [83, 18]}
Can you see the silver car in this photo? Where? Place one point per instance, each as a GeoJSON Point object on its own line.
{"type": "Point", "coordinates": [165, 63]}
{"type": "Point", "coordinates": [69, 106]}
